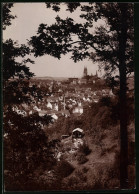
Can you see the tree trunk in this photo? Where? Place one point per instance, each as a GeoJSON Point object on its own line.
{"type": "Point", "coordinates": [123, 101]}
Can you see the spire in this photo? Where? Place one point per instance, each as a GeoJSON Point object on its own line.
{"type": "Point", "coordinates": [96, 74]}
{"type": "Point", "coordinates": [85, 72]}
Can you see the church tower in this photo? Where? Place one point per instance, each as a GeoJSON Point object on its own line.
{"type": "Point", "coordinates": [85, 72]}
{"type": "Point", "coordinates": [96, 74]}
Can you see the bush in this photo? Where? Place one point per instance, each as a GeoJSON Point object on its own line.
{"type": "Point", "coordinates": [80, 174]}
{"type": "Point", "coordinates": [85, 169]}
{"type": "Point", "coordinates": [82, 159]}
{"type": "Point", "coordinates": [103, 176]}
{"type": "Point", "coordinates": [64, 169]}
{"type": "Point", "coordinates": [85, 149]}
{"type": "Point", "coordinates": [75, 182]}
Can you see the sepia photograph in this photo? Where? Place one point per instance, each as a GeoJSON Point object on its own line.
{"type": "Point", "coordinates": [68, 96]}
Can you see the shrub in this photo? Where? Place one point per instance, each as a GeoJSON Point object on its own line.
{"type": "Point", "coordinates": [82, 159]}
{"type": "Point", "coordinates": [46, 181]}
{"type": "Point", "coordinates": [64, 169]}
{"type": "Point", "coordinates": [85, 149]}
{"type": "Point", "coordinates": [80, 174]}
{"type": "Point", "coordinates": [74, 182]}
{"type": "Point", "coordinates": [85, 169]}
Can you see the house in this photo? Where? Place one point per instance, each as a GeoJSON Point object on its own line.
{"type": "Point", "coordinates": [78, 109]}
{"type": "Point", "coordinates": [56, 106]}
{"type": "Point", "coordinates": [84, 99]}
{"type": "Point", "coordinates": [61, 98]}
{"type": "Point", "coordinates": [36, 108]}
{"type": "Point", "coordinates": [73, 80]}
{"type": "Point", "coordinates": [49, 105]}
{"type": "Point", "coordinates": [21, 112]}
{"type": "Point", "coordinates": [77, 133]}
{"type": "Point", "coordinates": [95, 100]}
{"type": "Point", "coordinates": [79, 103]}
{"type": "Point", "coordinates": [82, 81]}
{"type": "Point", "coordinates": [30, 112]}
{"type": "Point", "coordinates": [42, 113]}
{"type": "Point", "coordinates": [54, 116]}
{"type": "Point", "coordinates": [65, 113]}
{"type": "Point", "coordinates": [88, 99]}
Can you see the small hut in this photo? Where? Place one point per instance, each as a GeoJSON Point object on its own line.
{"type": "Point", "coordinates": [77, 133]}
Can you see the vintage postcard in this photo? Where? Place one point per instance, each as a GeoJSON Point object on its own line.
{"type": "Point", "coordinates": [68, 96]}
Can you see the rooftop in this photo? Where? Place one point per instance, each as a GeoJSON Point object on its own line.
{"type": "Point", "coordinates": [78, 129]}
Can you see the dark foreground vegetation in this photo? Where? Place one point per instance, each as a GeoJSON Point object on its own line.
{"type": "Point", "coordinates": [31, 161]}
{"type": "Point", "coordinates": [31, 154]}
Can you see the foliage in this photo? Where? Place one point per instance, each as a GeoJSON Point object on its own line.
{"type": "Point", "coordinates": [64, 169]}
{"type": "Point", "coordinates": [25, 147]}
{"type": "Point", "coordinates": [100, 116]}
{"type": "Point", "coordinates": [17, 91]}
{"type": "Point", "coordinates": [48, 180]}
{"type": "Point", "coordinates": [25, 143]}
{"type": "Point", "coordinates": [112, 46]}
{"type": "Point", "coordinates": [77, 181]}
{"type": "Point", "coordinates": [56, 6]}
{"type": "Point", "coordinates": [81, 158]}
{"type": "Point", "coordinates": [6, 16]}
{"type": "Point", "coordinates": [11, 68]}
{"type": "Point", "coordinates": [85, 149]}
{"type": "Point", "coordinates": [85, 169]}
{"type": "Point", "coordinates": [101, 177]}
{"type": "Point", "coordinates": [101, 46]}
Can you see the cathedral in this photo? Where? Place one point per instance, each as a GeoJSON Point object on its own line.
{"type": "Point", "coordinates": [86, 76]}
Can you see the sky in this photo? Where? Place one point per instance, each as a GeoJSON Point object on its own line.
{"type": "Point", "coordinates": [29, 16]}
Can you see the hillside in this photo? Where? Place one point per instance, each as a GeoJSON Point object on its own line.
{"type": "Point", "coordinates": [92, 162]}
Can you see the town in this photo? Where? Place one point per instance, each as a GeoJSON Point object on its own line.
{"type": "Point", "coordinates": [68, 96]}
{"type": "Point", "coordinates": [65, 97]}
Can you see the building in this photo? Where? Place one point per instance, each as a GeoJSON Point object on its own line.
{"type": "Point", "coordinates": [42, 113]}
{"type": "Point", "coordinates": [77, 133]}
{"type": "Point", "coordinates": [82, 81]}
{"type": "Point", "coordinates": [78, 109]}
{"type": "Point", "coordinates": [49, 105]}
{"type": "Point", "coordinates": [56, 107]}
{"type": "Point", "coordinates": [54, 116]}
{"type": "Point", "coordinates": [88, 78]}
{"type": "Point", "coordinates": [65, 113]}
{"type": "Point", "coordinates": [85, 72]}
{"type": "Point", "coordinates": [73, 80]}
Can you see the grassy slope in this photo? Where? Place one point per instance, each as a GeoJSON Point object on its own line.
{"type": "Point", "coordinates": [101, 171]}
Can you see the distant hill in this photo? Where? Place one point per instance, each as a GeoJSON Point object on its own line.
{"type": "Point", "coordinates": [51, 78]}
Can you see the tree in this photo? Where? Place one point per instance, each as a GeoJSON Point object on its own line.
{"type": "Point", "coordinates": [11, 68]}
{"type": "Point", "coordinates": [120, 55]}
{"type": "Point", "coordinates": [7, 17]}
{"type": "Point", "coordinates": [25, 143]}
{"type": "Point", "coordinates": [111, 44]}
